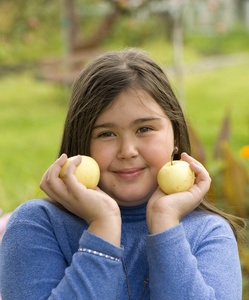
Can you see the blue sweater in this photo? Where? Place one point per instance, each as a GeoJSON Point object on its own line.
{"type": "Point", "coordinates": [39, 258]}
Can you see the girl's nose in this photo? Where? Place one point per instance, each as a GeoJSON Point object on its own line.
{"type": "Point", "coordinates": [127, 149]}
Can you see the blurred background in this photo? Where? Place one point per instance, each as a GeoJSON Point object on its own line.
{"type": "Point", "coordinates": [203, 46]}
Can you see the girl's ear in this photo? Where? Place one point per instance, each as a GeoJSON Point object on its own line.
{"type": "Point", "coordinates": [176, 145]}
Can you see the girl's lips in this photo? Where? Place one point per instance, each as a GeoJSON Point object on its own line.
{"type": "Point", "coordinates": [129, 174]}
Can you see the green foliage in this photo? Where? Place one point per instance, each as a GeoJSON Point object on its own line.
{"type": "Point", "coordinates": [132, 31]}
{"type": "Point", "coordinates": [29, 30]}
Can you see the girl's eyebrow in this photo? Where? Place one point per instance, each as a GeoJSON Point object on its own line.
{"type": "Point", "coordinates": [105, 125]}
{"type": "Point", "coordinates": [135, 122]}
{"type": "Point", "coordinates": [144, 120]}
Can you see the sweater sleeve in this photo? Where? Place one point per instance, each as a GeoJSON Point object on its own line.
{"type": "Point", "coordinates": [32, 265]}
{"type": "Point", "coordinates": [94, 272]}
{"type": "Point", "coordinates": [207, 270]}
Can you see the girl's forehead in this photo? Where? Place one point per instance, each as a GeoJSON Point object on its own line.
{"type": "Point", "coordinates": [132, 104]}
{"type": "Point", "coordinates": [134, 98]}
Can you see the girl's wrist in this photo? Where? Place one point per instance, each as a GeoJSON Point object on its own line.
{"type": "Point", "coordinates": [108, 229]}
{"type": "Point", "coordinates": [161, 222]}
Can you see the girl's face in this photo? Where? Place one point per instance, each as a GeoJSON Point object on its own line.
{"type": "Point", "coordinates": [131, 140]}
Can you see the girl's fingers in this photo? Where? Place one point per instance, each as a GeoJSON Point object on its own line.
{"type": "Point", "coordinates": [71, 167]}
{"type": "Point", "coordinates": [55, 169]}
{"type": "Point", "coordinates": [73, 186]}
{"type": "Point", "coordinates": [62, 159]}
{"type": "Point", "coordinates": [202, 180]}
{"type": "Point", "coordinates": [189, 159]}
{"type": "Point", "coordinates": [65, 191]}
{"type": "Point", "coordinates": [51, 184]}
{"type": "Point", "coordinates": [196, 166]}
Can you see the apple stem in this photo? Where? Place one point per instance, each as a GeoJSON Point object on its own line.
{"type": "Point", "coordinates": [173, 153]}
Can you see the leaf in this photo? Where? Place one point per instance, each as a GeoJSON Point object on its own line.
{"type": "Point", "coordinates": [235, 180]}
{"type": "Point", "coordinates": [197, 148]}
{"type": "Point", "coordinates": [244, 256]}
{"type": "Point", "coordinates": [224, 135]}
{"type": "Point", "coordinates": [198, 152]}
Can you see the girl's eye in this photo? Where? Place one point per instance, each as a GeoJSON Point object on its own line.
{"type": "Point", "coordinates": [106, 134]}
{"type": "Point", "coordinates": [143, 129]}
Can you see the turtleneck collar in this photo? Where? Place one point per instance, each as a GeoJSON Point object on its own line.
{"type": "Point", "coordinates": [134, 211]}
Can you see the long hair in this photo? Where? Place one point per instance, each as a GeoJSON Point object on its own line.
{"type": "Point", "coordinates": [101, 82]}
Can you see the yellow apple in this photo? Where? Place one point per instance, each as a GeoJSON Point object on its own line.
{"type": "Point", "coordinates": [87, 172]}
{"type": "Point", "coordinates": [175, 176]}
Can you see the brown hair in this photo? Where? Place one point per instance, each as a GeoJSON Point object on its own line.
{"type": "Point", "coordinates": [100, 83]}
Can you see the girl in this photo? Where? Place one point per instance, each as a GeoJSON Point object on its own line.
{"type": "Point", "coordinates": [126, 239]}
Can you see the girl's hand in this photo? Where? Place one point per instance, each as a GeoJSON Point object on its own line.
{"type": "Point", "coordinates": [98, 209]}
{"type": "Point", "coordinates": [165, 211]}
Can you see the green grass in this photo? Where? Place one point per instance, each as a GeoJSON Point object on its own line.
{"type": "Point", "coordinates": [31, 117]}
{"type": "Point", "coordinates": [233, 41]}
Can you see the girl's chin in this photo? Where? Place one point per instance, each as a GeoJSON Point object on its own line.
{"type": "Point", "coordinates": [132, 200]}
{"type": "Point", "coordinates": [130, 196]}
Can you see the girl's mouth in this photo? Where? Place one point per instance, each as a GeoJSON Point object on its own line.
{"type": "Point", "coordinates": [129, 174]}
